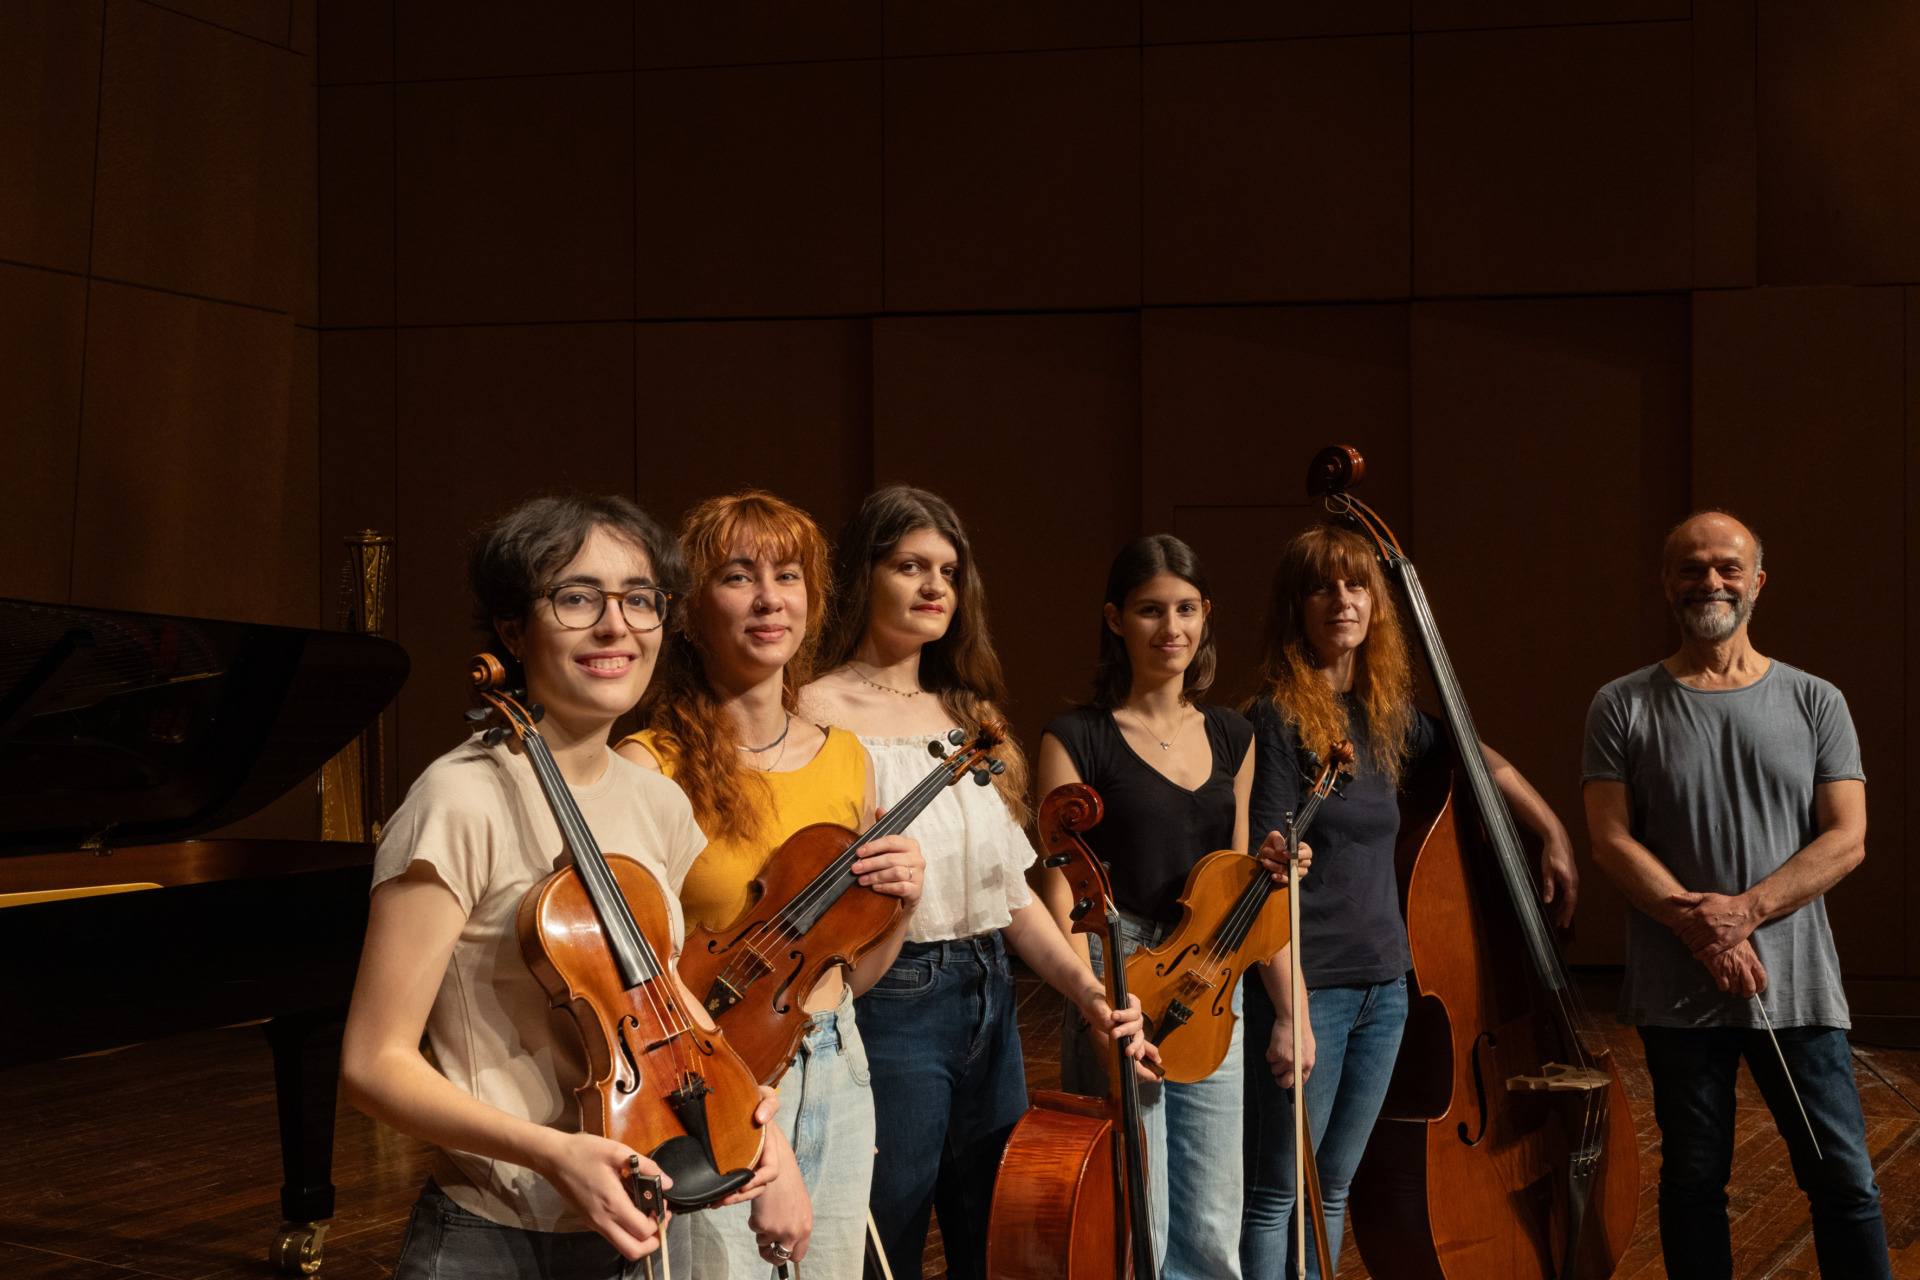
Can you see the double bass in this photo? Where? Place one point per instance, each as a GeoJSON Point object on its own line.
{"type": "Point", "coordinates": [1506, 1147]}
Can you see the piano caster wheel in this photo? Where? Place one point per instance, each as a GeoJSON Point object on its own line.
{"type": "Point", "coordinates": [296, 1250]}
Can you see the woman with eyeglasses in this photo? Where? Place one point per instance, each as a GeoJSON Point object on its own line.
{"type": "Point", "coordinates": [572, 592]}
{"type": "Point", "coordinates": [724, 724]}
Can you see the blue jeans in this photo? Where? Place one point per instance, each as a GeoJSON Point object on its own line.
{"type": "Point", "coordinates": [943, 1036]}
{"type": "Point", "coordinates": [1356, 1032]}
{"type": "Point", "coordinates": [445, 1242]}
{"type": "Point", "coordinates": [1193, 1138]}
{"type": "Point", "coordinates": [1693, 1071]}
{"type": "Point", "coordinates": [826, 1111]}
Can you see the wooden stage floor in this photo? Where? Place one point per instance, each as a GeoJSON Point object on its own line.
{"type": "Point", "coordinates": [163, 1161]}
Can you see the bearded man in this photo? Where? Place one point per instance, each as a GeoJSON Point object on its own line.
{"type": "Point", "coordinates": [1724, 796]}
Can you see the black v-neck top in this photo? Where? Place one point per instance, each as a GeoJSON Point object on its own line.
{"type": "Point", "coordinates": [1154, 829]}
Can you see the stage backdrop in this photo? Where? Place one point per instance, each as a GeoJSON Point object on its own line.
{"type": "Point", "coordinates": [1562, 271]}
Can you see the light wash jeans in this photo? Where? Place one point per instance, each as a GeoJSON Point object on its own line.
{"type": "Point", "coordinates": [826, 1111]}
{"type": "Point", "coordinates": [1356, 1033]}
{"type": "Point", "coordinates": [445, 1242]}
{"type": "Point", "coordinates": [1193, 1138]}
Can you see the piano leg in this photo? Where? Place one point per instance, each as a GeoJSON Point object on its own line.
{"type": "Point", "coordinates": [306, 1076]}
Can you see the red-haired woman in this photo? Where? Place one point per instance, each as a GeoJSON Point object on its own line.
{"type": "Point", "coordinates": [572, 593]}
{"type": "Point", "coordinates": [724, 726]}
{"type": "Point", "coordinates": [1336, 666]}
{"type": "Point", "coordinates": [911, 658]}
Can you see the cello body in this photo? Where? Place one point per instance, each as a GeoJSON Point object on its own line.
{"type": "Point", "coordinates": [1054, 1210]}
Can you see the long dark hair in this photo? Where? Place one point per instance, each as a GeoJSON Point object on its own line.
{"type": "Point", "coordinates": [1140, 562]}
{"type": "Point", "coordinates": [511, 559]}
{"type": "Point", "coordinates": [960, 667]}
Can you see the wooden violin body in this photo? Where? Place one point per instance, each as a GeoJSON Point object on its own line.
{"type": "Point", "coordinates": [777, 962]}
{"type": "Point", "coordinates": [645, 1074]}
{"type": "Point", "coordinates": [1186, 984]}
{"type": "Point", "coordinates": [1055, 1216]}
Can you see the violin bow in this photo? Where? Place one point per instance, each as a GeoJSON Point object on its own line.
{"type": "Point", "coordinates": [1306, 1170]}
{"type": "Point", "coordinates": [1804, 1118]}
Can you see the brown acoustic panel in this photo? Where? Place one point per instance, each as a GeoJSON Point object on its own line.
{"type": "Point", "coordinates": [759, 190]}
{"type": "Point", "coordinates": [1013, 180]}
{"type": "Point", "coordinates": [1179, 21]}
{"type": "Point", "coordinates": [1029, 425]}
{"type": "Point", "coordinates": [1798, 400]}
{"type": "Point", "coordinates": [1839, 125]}
{"type": "Point", "coordinates": [200, 134]}
{"type": "Point", "coordinates": [1277, 170]}
{"type": "Point", "coordinates": [303, 30]}
{"type": "Point", "coordinates": [43, 325]}
{"type": "Point", "coordinates": [49, 97]}
{"type": "Point", "coordinates": [355, 41]}
{"type": "Point", "coordinates": [489, 417]}
{"type": "Point", "coordinates": [784, 405]}
{"type": "Point", "coordinates": [1001, 26]}
{"type": "Point", "coordinates": [1552, 160]}
{"type": "Point", "coordinates": [356, 205]}
{"type": "Point", "coordinates": [1549, 461]}
{"type": "Point", "coordinates": [445, 39]}
{"type": "Point", "coordinates": [1239, 550]}
{"type": "Point", "coordinates": [1726, 206]}
{"type": "Point", "coordinates": [306, 201]}
{"type": "Point", "coordinates": [1235, 401]}
{"type": "Point", "coordinates": [1455, 15]}
{"type": "Point", "coordinates": [356, 434]}
{"type": "Point", "coordinates": [668, 33]}
{"type": "Point", "coordinates": [265, 20]}
{"type": "Point", "coordinates": [1912, 586]}
{"type": "Point", "coordinates": [515, 200]}
{"type": "Point", "coordinates": [197, 491]}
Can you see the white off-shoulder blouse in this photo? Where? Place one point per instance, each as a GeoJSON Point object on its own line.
{"type": "Point", "coordinates": [976, 857]}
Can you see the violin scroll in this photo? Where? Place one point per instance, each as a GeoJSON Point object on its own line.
{"type": "Point", "coordinates": [488, 673]}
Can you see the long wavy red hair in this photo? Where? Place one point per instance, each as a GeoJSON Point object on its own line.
{"type": "Point", "coordinates": [1290, 670]}
{"type": "Point", "coordinates": [682, 701]}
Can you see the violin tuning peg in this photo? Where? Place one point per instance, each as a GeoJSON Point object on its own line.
{"type": "Point", "coordinates": [477, 714]}
{"type": "Point", "coordinates": [981, 776]}
{"type": "Point", "coordinates": [996, 767]}
{"type": "Point", "coordinates": [492, 736]}
{"type": "Point", "coordinates": [937, 749]}
{"type": "Point", "coordinates": [536, 712]}
{"type": "Point", "coordinates": [1058, 860]}
{"type": "Point", "coordinates": [1080, 908]}
{"type": "Point", "coordinates": [956, 737]}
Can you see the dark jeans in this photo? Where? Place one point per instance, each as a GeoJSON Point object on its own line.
{"type": "Point", "coordinates": [943, 1042]}
{"type": "Point", "coordinates": [445, 1242]}
{"type": "Point", "coordinates": [1693, 1073]}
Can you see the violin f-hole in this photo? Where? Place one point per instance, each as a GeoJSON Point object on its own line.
{"type": "Point", "coordinates": [1479, 1089]}
{"type": "Point", "coordinates": [620, 1028]}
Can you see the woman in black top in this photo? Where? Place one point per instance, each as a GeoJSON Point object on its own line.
{"type": "Point", "coordinates": [1337, 666]}
{"type": "Point", "coordinates": [1174, 777]}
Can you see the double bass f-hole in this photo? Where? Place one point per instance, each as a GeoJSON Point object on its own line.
{"type": "Point", "coordinates": [1479, 1088]}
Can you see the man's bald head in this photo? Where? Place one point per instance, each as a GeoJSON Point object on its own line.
{"type": "Point", "coordinates": [1711, 571]}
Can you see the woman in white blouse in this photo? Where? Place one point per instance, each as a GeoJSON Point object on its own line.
{"type": "Point", "coordinates": [911, 659]}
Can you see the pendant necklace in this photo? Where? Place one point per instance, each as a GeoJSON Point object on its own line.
{"type": "Point", "coordinates": [898, 693]}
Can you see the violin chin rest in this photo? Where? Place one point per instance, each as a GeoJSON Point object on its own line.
{"type": "Point", "coordinates": [696, 1183]}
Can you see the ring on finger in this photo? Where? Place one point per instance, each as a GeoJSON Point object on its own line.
{"type": "Point", "coordinates": [781, 1251]}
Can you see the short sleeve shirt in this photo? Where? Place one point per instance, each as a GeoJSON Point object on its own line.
{"type": "Point", "coordinates": [1722, 782]}
{"type": "Point", "coordinates": [477, 816]}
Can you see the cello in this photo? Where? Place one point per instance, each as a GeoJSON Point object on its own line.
{"type": "Point", "coordinates": [593, 934]}
{"type": "Point", "coordinates": [1070, 1202]}
{"type": "Point", "coordinates": [1506, 1146]}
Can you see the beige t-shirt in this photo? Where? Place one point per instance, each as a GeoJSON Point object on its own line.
{"type": "Point", "coordinates": [478, 818]}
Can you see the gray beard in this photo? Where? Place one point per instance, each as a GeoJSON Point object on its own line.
{"type": "Point", "coordinates": [1699, 618]}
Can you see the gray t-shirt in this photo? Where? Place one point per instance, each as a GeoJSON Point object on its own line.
{"type": "Point", "coordinates": [1722, 783]}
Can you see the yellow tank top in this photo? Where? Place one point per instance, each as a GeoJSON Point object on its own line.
{"type": "Point", "coordinates": [828, 788]}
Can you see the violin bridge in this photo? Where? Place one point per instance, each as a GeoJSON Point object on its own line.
{"type": "Point", "coordinates": [1558, 1077]}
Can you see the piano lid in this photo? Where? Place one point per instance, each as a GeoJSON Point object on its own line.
{"type": "Point", "coordinates": [138, 728]}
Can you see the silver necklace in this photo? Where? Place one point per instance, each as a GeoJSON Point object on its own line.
{"type": "Point", "coordinates": [898, 693]}
{"type": "Point", "coordinates": [771, 745]}
{"type": "Point", "coordinates": [1166, 744]}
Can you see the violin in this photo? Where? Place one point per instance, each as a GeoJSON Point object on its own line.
{"type": "Point", "coordinates": [810, 912]}
{"type": "Point", "coordinates": [1070, 1202]}
{"type": "Point", "coordinates": [594, 934]}
{"type": "Point", "coordinates": [1186, 984]}
{"type": "Point", "coordinates": [1506, 1146]}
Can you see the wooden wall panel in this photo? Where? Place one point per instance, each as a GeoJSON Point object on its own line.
{"type": "Point", "coordinates": [355, 42]}
{"type": "Point", "coordinates": [1840, 142]}
{"type": "Point", "coordinates": [1013, 180]}
{"type": "Point", "coordinates": [200, 134]}
{"type": "Point", "coordinates": [449, 39]}
{"type": "Point", "coordinates": [198, 489]}
{"type": "Point", "coordinates": [515, 200]}
{"type": "Point", "coordinates": [1784, 381]}
{"type": "Point", "coordinates": [669, 33]}
{"type": "Point", "coordinates": [916, 27]}
{"type": "Point", "coordinates": [1029, 426]}
{"type": "Point", "coordinates": [1726, 206]}
{"type": "Point", "coordinates": [1242, 204]}
{"type": "Point", "coordinates": [1549, 461]}
{"type": "Point", "coordinates": [49, 99]}
{"type": "Point", "coordinates": [268, 21]}
{"type": "Point", "coordinates": [357, 440]}
{"type": "Point", "coordinates": [43, 324]}
{"type": "Point", "coordinates": [1456, 15]}
{"type": "Point", "coordinates": [1178, 21]}
{"type": "Point", "coordinates": [1553, 160]}
{"type": "Point", "coordinates": [356, 205]}
{"type": "Point", "coordinates": [1911, 583]}
{"type": "Point", "coordinates": [490, 416]}
{"type": "Point", "coordinates": [792, 400]}
{"type": "Point", "coordinates": [759, 190]}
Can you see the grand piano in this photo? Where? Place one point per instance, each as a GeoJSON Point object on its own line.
{"type": "Point", "coordinates": [124, 735]}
